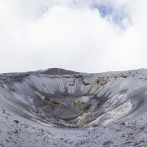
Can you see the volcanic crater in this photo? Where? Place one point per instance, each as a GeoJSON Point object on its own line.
{"type": "Point", "coordinates": [63, 98]}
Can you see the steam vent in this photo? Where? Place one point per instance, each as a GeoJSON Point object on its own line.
{"type": "Point", "coordinates": [63, 98]}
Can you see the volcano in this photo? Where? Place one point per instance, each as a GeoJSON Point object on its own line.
{"type": "Point", "coordinates": [59, 98]}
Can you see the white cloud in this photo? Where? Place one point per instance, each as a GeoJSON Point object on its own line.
{"type": "Point", "coordinates": [72, 35]}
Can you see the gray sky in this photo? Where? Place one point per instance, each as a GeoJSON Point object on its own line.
{"type": "Point", "coordinates": [79, 35]}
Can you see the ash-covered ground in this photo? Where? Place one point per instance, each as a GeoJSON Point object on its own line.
{"type": "Point", "coordinates": [56, 107]}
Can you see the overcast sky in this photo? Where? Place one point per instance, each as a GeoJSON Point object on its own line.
{"type": "Point", "coordinates": [79, 35]}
